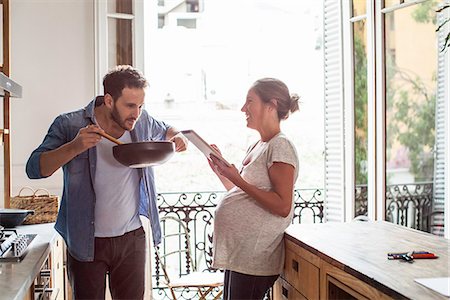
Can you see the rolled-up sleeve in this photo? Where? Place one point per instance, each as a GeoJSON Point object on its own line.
{"type": "Point", "coordinates": [55, 138]}
{"type": "Point", "coordinates": [151, 128]}
{"type": "Point", "coordinates": [159, 130]}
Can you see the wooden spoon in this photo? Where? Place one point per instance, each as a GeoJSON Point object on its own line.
{"type": "Point", "coordinates": [112, 139]}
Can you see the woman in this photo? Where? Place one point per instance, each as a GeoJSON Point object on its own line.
{"type": "Point", "coordinates": [251, 218]}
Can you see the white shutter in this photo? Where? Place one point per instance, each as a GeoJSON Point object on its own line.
{"type": "Point", "coordinates": [334, 112]}
{"type": "Point", "coordinates": [447, 133]}
{"type": "Point", "coordinates": [439, 163]}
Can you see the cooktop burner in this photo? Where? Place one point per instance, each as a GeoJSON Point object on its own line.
{"type": "Point", "coordinates": [13, 246]}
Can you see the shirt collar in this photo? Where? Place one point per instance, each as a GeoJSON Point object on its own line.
{"type": "Point", "coordinates": [89, 109]}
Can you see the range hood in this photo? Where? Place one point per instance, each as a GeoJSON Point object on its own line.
{"type": "Point", "coordinates": [8, 89]}
{"type": "Point", "coordinates": [7, 84]}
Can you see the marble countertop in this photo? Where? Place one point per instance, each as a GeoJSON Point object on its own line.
{"type": "Point", "coordinates": [17, 277]}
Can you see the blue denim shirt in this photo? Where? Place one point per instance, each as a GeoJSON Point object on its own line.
{"type": "Point", "coordinates": [75, 221]}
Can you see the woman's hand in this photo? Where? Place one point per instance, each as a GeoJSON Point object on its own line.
{"type": "Point", "coordinates": [229, 172]}
{"type": "Point", "coordinates": [213, 163]}
{"type": "Point", "coordinates": [210, 162]}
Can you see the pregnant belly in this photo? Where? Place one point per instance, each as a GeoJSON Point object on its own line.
{"type": "Point", "coordinates": [243, 218]}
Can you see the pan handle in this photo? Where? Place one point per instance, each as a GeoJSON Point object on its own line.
{"type": "Point", "coordinates": [107, 136]}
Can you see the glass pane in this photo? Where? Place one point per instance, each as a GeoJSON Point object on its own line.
{"type": "Point", "coordinates": [120, 46]}
{"type": "Point", "coordinates": [410, 113]}
{"type": "Point", "coordinates": [360, 103]}
{"type": "Point", "coordinates": [190, 83]}
{"type": "Point", "coordinates": [388, 3]}
{"type": "Point", "coordinates": [120, 6]}
{"type": "Point", "coordinates": [359, 7]}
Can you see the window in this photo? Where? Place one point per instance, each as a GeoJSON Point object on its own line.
{"type": "Point", "coordinates": [360, 105]}
{"type": "Point", "coordinates": [119, 35]}
{"type": "Point", "coordinates": [199, 77]}
{"type": "Point", "coordinates": [393, 103]}
{"type": "Point", "coordinates": [410, 84]}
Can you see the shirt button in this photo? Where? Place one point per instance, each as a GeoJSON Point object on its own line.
{"type": "Point", "coordinates": [92, 223]}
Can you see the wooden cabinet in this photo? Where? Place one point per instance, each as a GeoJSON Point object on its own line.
{"type": "Point", "coordinates": [301, 271]}
{"type": "Point", "coordinates": [49, 283]}
{"type": "Point", "coordinates": [307, 277]}
{"type": "Point", "coordinates": [349, 261]}
{"type": "Point", "coordinates": [283, 291]}
{"type": "Point", "coordinates": [337, 284]}
{"type": "Point", "coordinates": [57, 269]}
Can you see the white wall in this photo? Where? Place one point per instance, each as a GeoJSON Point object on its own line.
{"type": "Point", "coordinates": [52, 57]}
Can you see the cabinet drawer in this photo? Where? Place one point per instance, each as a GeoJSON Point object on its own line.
{"type": "Point", "coordinates": [285, 291]}
{"type": "Point", "coordinates": [301, 274]}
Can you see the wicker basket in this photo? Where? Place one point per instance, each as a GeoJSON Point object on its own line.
{"type": "Point", "coordinates": [45, 206]}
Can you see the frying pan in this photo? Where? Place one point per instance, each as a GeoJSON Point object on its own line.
{"type": "Point", "coordinates": [141, 154]}
{"type": "Point", "coordinates": [10, 217]}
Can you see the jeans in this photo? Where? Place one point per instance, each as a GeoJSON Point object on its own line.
{"type": "Point", "coordinates": [122, 258]}
{"type": "Point", "coordinates": [238, 286]}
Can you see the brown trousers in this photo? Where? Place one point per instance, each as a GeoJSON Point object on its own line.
{"type": "Point", "coordinates": [238, 286]}
{"type": "Point", "coordinates": [122, 258]}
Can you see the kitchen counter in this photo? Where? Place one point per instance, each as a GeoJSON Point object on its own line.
{"type": "Point", "coordinates": [17, 277]}
{"type": "Point", "coordinates": [357, 252]}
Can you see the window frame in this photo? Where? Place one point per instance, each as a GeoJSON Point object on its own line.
{"type": "Point", "coordinates": [372, 107]}
{"type": "Point", "coordinates": [376, 86]}
{"type": "Point", "coordinates": [101, 37]}
{"type": "Point", "coordinates": [447, 133]}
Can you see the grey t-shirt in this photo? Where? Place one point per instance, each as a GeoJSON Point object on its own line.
{"type": "Point", "coordinates": [248, 238]}
{"type": "Point", "coordinates": [116, 192]}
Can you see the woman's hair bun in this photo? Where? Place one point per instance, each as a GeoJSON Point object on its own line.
{"type": "Point", "coordinates": [294, 103]}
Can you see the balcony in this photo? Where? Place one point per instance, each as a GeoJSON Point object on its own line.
{"type": "Point", "coordinates": [196, 209]}
{"type": "Point", "coordinates": [407, 204]}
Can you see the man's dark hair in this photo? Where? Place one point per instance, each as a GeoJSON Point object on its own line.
{"type": "Point", "coordinates": [121, 77]}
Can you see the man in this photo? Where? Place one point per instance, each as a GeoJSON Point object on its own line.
{"type": "Point", "coordinates": [102, 199]}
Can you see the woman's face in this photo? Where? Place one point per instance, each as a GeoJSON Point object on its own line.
{"type": "Point", "coordinates": [254, 110]}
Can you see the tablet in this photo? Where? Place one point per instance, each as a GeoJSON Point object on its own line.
{"type": "Point", "coordinates": [202, 145]}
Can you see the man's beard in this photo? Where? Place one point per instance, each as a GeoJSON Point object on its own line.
{"type": "Point", "coordinates": [116, 117]}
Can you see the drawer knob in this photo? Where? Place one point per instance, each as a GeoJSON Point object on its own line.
{"type": "Point", "coordinates": [295, 265]}
{"type": "Point", "coordinates": [284, 291]}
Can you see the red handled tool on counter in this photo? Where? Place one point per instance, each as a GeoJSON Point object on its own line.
{"type": "Point", "coordinates": [410, 256]}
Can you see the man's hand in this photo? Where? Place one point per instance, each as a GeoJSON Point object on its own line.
{"type": "Point", "coordinates": [86, 138]}
{"type": "Point", "coordinates": [180, 141]}
{"type": "Point", "coordinates": [52, 160]}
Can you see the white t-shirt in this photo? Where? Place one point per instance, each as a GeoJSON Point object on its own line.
{"type": "Point", "coordinates": [116, 191]}
{"type": "Point", "coordinates": [248, 238]}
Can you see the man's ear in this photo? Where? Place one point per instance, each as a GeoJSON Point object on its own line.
{"type": "Point", "coordinates": [108, 99]}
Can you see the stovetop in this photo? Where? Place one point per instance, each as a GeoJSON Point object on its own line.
{"type": "Point", "coordinates": [14, 246]}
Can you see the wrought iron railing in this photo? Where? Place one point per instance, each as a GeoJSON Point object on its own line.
{"type": "Point", "coordinates": [408, 204]}
{"type": "Point", "coordinates": [361, 200]}
{"type": "Point", "coordinates": [196, 209]}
